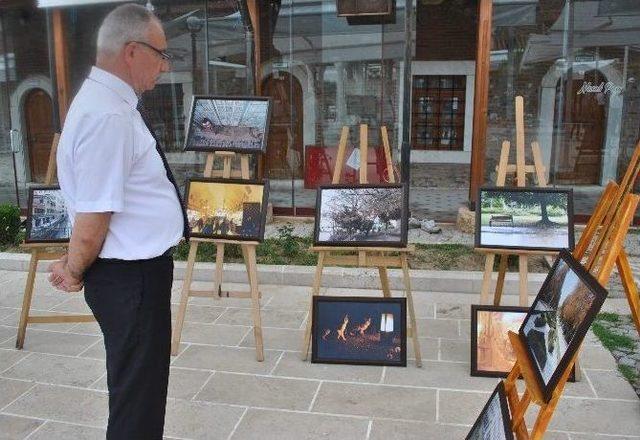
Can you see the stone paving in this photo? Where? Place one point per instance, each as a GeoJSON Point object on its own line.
{"type": "Point", "coordinates": [55, 387]}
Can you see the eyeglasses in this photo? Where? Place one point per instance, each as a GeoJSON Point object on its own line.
{"type": "Point", "coordinates": [164, 55]}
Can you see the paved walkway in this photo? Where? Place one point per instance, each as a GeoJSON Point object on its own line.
{"type": "Point", "coordinates": [55, 387]}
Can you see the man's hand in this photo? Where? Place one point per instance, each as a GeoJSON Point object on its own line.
{"type": "Point", "coordinates": [61, 278]}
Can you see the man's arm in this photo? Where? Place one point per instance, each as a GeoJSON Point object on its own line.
{"type": "Point", "coordinates": [89, 232]}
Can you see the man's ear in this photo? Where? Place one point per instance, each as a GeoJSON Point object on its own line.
{"type": "Point", "coordinates": [128, 53]}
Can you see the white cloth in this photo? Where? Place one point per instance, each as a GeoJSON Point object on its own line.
{"type": "Point", "coordinates": [108, 162]}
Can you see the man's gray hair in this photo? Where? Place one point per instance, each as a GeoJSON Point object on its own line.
{"type": "Point", "coordinates": [129, 22]}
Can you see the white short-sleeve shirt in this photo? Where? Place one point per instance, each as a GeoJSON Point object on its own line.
{"type": "Point", "coordinates": [108, 162]}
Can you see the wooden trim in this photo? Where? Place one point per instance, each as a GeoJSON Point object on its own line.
{"type": "Point", "coordinates": [481, 98]}
{"type": "Point", "coordinates": [61, 62]}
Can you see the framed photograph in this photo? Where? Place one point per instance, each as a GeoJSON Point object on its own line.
{"type": "Point", "coordinates": [524, 218]}
{"type": "Point", "coordinates": [493, 422]}
{"type": "Point", "coordinates": [559, 318]}
{"type": "Point", "coordinates": [228, 123]}
{"type": "Point", "coordinates": [491, 351]}
{"type": "Point", "coordinates": [359, 330]}
{"type": "Point", "coordinates": [47, 218]}
{"type": "Point", "coordinates": [362, 215]}
{"type": "Point", "coordinates": [227, 208]}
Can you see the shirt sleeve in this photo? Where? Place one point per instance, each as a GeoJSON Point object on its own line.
{"type": "Point", "coordinates": [102, 158]}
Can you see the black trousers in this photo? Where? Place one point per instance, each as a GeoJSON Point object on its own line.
{"type": "Point", "coordinates": [131, 302]}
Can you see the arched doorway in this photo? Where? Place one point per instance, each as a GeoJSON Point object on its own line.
{"type": "Point", "coordinates": [579, 158]}
{"type": "Point", "coordinates": [284, 145]}
{"type": "Point", "coordinates": [37, 110]}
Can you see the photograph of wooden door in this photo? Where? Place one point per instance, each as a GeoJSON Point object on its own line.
{"type": "Point", "coordinates": [580, 155]}
{"type": "Point", "coordinates": [38, 132]}
{"type": "Point", "coordinates": [284, 144]}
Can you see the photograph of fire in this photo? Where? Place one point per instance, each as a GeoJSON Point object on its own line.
{"type": "Point", "coordinates": [228, 124]}
{"type": "Point", "coordinates": [559, 318]}
{"type": "Point", "coordinates": [359, 330]}
{"type": "Point", "coordinates": [48, 220]}
{"type": "Point", "coordinates": [493, 422]}
{"type": "Point", "coordinates": [226, 209]}
{"type": "Point", "coordinates": [525, 218]}
{"type": "Point", "coordinates": [491, 351]}
{"type": "Point", "coordinates": [366, 215]}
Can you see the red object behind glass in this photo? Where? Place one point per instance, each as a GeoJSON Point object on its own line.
{"type": "Point", "coordinates": [319, 163]}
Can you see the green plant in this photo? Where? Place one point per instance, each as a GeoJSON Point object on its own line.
{"type": "Point", "coordinates": [9, 224]}
{"type": "Point", "coordinates": [288, 242]}
{"type": "Point", "coordinates": [611, 340]}
{"type": "Point", "coordinates": [629, 373]}
{"type": "Point", "coordinates": [609, 317]}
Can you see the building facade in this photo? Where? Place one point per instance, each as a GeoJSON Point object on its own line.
{"type": "Point", "coordinates": [414, 69]}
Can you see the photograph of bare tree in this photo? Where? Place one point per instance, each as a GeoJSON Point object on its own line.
{"type": "Point", "coordinates": [525, 218]}
{"type": "Point", "coordinates": [47, 216]}
{"type": "Point", "coordinates": [237, 124]}
{"type": "Point", "coordinates": [359, 330]}
{"type": "Point", "coordinates": [493, 422]}
{"type": "Point", "coordinates": [227, 208]}
{"type": "Point", "coordinates": [559, 318]}
{"type": "Point", "coordinates": [362, 215]}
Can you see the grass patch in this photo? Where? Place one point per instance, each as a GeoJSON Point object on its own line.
{"type": "Point", "coordinates": [611, 340]}
{"type": "Point", "coordinates": [609, 317]}
{"type": "Point", "coordinates": [629, 373]}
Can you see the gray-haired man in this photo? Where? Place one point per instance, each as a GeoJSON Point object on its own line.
{"type": "Point", "coordinates": [127, 219]}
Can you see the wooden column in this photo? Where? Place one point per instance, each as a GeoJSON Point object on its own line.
{"type": "Point", "coordinates": [62, 72]}
{"type": "Point", "coordinates": [481, 98]}
{"type": "Point", "coordinates": [253, 7]}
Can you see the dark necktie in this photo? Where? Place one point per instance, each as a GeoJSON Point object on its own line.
{"type": "Point", "coordinates": [143, 113]}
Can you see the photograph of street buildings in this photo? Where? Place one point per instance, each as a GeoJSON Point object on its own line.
{"type": "Point", "coordinates": [48, 217]}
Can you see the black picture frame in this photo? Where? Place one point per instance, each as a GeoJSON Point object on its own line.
{"type": "Point", "coordinates": [479, 243]}
{"type": "Point", "coordinates": [30, 233]}
{"type": "Point", "coordinates": [476, 309]}
{"type": "Point", "coordinates": [386, 355]}
{"type": "Point", "coordinates": [218, 181]}
{"type": "Point", "coordinates": [548, 291]}
{"type": "Point", "coordinates": [404, 219]}
{"type": "Point", "coordinates": [498, 397]}
{"type": "Point", "coordinates": [188, 139]}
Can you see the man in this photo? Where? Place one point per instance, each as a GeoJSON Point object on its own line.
{"type": "Point", "coordinates": [127, 218]}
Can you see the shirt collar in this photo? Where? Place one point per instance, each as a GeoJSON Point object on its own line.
{"type": "Point", "coordinates": [115, 84]}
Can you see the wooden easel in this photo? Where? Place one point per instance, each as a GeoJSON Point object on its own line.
{"type": "Point", "coordinates": [601, 228]}
{"type": "Point", "coordinates": [43, 252]}
{"type": "Point", "coordinates": [248, 253]}
{"type": "Point", "coordinates": [602, 265]}
{"type": "Point", "coordinates": [379, 257]}
{"type": "Point", "coordinates": [521, 169]}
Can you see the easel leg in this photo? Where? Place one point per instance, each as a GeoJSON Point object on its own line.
{"type": "Point", "coordinates": [502, 271]}
{"type": "Point", "coordinates": [486, 278]}
{"type": "Point", "coordinates": [249, 254]}
{"type": "Point", "coordinates": [630, 288]}
{"type": "Point", "coordinates": [384, 280]}
{"type": "Point", "coordinates": [217, 282]}
{"type": "Point", "coordinates": [524, 280]}
{"type": "Point", "coordinates": [306, 342]}
{"type": "Point", "coordinates": [184, 299]}
{"type": "Point", "coordinates": [26, 300]}
{"type": "Point", "coordinates": [411, 310]}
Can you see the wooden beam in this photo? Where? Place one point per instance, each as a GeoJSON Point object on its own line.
{"type": "Point", "coordinates": [481, 98]}
{"type": "Point", "coordinates": [253, 6]}
{"type": "Point", "coordinates": [62, 72]}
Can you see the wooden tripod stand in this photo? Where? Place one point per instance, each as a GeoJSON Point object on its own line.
{"type": "Point", "coordinates": [43, 252]}
{"type": "Point", "coordinates": [602, 263]}
{"type": "Point", "coordinates": [520, 169]}
{"type": "Point", "coordinates": [380, 257]}
{"type": "Point", "coordinates": [248, 253]}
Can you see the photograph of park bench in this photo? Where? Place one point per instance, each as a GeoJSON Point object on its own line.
{"type": "Point", "coordinates": [225, 123]}
{"type": "Point", "coordinates": [524, 218]}
{"type": "Point", "coordinates": [493, 422]}
{"type": "Point", "coordinates": [227, 208]}
{"type": "Point", "coordinates": [362, 215]}
{"type": "Point", "coordinates": [559, 318]}
{"type": "Point", "coordinates": [47, 217]}
{"type": "Point", "coordinates": [359, 330]}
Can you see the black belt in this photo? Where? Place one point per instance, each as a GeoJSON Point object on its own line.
{"type": "Point", "coordinates": [169, 252]}
{"type": "Point", "coordinates": [166, 254]}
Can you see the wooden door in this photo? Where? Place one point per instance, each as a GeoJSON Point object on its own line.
{"type": "Point", "coordinates": [284, 144]}
{"type": "Point", "coordinates": [580, 155]}
{"type": "Point", "coordinates": [39, 132]}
